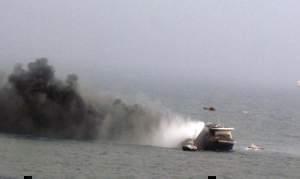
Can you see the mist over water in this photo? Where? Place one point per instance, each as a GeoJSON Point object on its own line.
{"type": "Point", "coordinates": [171, 132]}
{"type": "Point", "coordinates": [33, 101]}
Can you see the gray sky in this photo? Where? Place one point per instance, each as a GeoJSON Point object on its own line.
{"type": "Point", "coordinates": [253, 42]}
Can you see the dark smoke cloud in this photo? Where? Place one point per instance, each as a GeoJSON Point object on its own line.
{"type": "Point", "coordinates": [34, 102]}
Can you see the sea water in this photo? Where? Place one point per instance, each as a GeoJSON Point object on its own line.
{"type": "Point", "coordinates": [266, 118]}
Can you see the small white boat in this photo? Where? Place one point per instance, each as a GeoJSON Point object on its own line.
{"type": "Point", "coordinates": [254, 147]}
{"type": "Point", "coordinates": [189, 145]}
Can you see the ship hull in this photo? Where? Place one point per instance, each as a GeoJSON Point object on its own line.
{"type": "Point", "coordinates": [219, 146]}
{"type": "Point", "coordinates": [207, 140]}
{"type": "Point", "coordinates": [213, 138]}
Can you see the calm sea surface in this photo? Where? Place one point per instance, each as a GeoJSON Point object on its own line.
{"type": "Point", "coordinates": [267, 118]}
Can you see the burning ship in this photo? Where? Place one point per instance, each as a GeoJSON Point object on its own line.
{"type": "Point", "coordinates": [213, 137]}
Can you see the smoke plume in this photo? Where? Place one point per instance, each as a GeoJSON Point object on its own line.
{"type": "Point", "coordinates": [34, 102]}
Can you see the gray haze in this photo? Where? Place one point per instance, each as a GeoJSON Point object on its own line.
{"type": "Point", "coordinates": [236, 42]}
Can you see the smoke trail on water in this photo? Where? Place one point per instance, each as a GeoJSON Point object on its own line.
{"type": "Point", "coordinates": [34, 102]}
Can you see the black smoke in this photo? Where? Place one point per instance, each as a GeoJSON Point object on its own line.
{"type": "Point", "coordinates": [34, 102]}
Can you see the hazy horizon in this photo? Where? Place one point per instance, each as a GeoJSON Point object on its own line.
{"type": "Point", "coordinates": [239, 43]}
